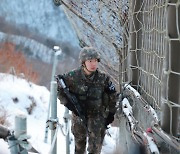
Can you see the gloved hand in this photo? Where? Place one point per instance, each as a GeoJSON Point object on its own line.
{"type": "Point", "coordinates": [109, 119]}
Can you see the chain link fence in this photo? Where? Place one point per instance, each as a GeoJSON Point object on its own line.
{"type": "Point", "coordinates": [139, 42]}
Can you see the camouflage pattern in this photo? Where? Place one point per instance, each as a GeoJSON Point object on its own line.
{"type": "Point", "coordinates": [95, 134]}
{"type": "Point", "coordinates": [88, 53]}
{"type": "Point", "coordinates": [97, 99]}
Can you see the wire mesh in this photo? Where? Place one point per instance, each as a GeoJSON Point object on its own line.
{"type": "Point", "coordinates": [154, 43]}
{"type": "Point", "coordinates": [141, 39]}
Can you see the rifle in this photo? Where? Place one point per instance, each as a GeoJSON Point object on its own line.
{"type": "Point", "coordinates": [71, 98]}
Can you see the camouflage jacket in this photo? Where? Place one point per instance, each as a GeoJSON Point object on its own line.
{"type": "Point", "coordinates": [95, 93]}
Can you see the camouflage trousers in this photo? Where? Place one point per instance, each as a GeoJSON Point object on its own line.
{"type": "Point", "coordinates": [94, 135]}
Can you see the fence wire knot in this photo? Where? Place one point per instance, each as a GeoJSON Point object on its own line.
{"type": "Point", "coordinates": [52, 123]}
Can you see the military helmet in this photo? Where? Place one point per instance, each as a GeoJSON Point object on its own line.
{"type": "Point", "coordinates": [88, 53]}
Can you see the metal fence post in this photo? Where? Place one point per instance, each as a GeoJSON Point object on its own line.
{"type": "Point", "coordinates": [20, 129]}
{"type": "Point", "coordinates": [54, 112]}
{"type": "Point", "coordinates": [66, 113]}
{"type": "Point", "coordinates": [20, 125]}
{"type": "Point", "coordinates": [58, 52]}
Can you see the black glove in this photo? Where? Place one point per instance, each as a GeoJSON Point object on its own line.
{"type": "Point", "coordinates": [109, 119]}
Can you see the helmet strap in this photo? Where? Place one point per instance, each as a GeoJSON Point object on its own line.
{"type": "Point", "coordinates": [84, 65]}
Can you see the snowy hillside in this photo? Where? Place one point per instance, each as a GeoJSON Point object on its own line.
{"type": "Point", "coordinates": [42, 17]}
{"type": "Point", "coordinates": [17, 96]}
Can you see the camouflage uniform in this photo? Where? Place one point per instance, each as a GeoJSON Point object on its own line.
{"type": "Point", "coordinates": [97, 97]}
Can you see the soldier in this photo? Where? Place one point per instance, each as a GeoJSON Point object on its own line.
{"type": "Point", "coordinates": [96, 95]}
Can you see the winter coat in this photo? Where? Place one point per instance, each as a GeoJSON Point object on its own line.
{"type": "Point", "coordinates": [96, 94]}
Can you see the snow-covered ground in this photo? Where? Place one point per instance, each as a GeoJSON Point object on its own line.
{"type": "Point", "coordinates": [17, 95]}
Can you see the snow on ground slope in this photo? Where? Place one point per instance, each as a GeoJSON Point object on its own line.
{"type": "Point", "coordinates": [17, 96]}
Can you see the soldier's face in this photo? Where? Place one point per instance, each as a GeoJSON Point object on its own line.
{"type": "Point", "coordinates": [91, 65]}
